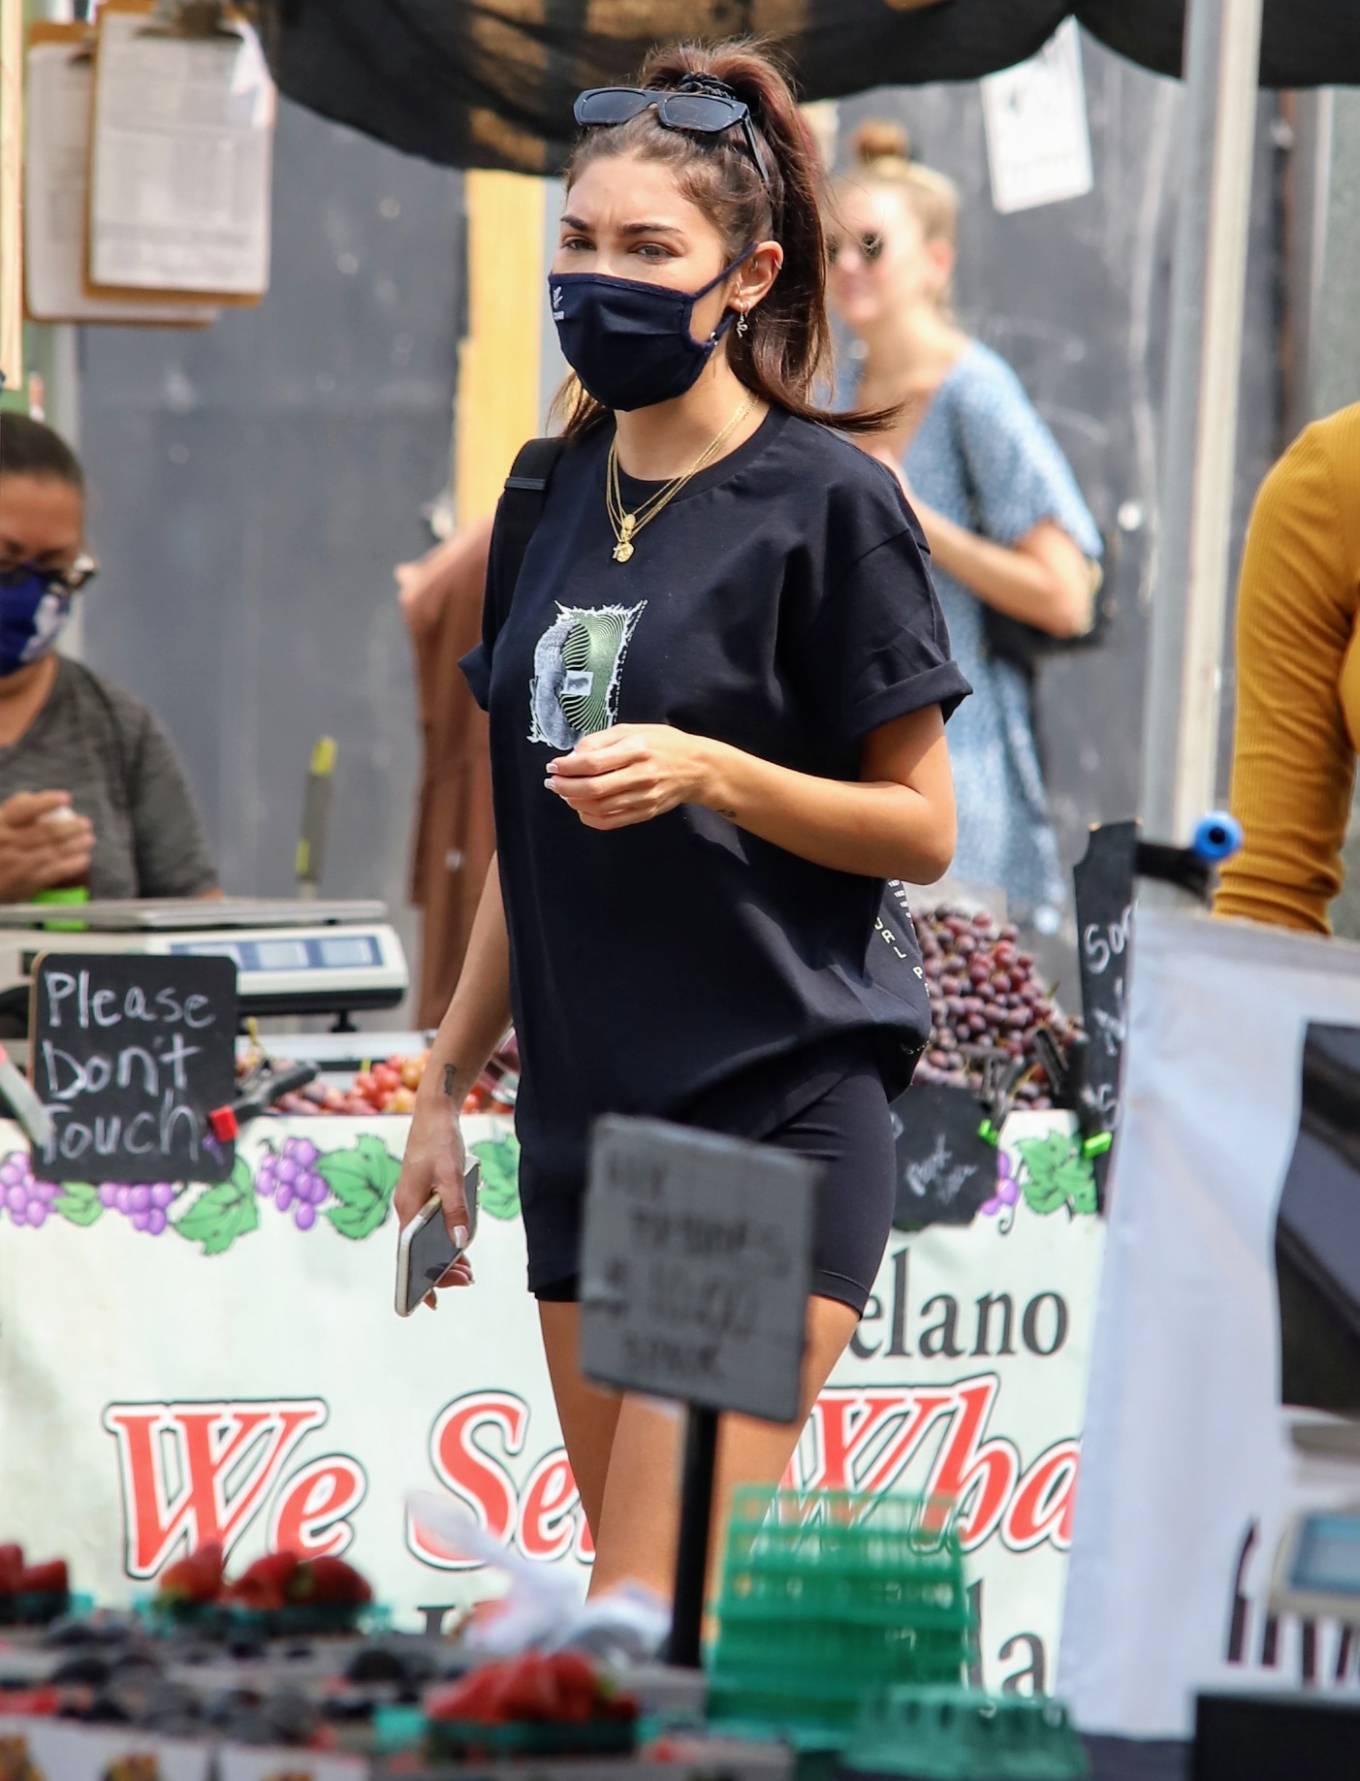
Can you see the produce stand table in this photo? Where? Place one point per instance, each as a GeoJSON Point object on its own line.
{"type": "Point", "coordinates": [236, 1376]}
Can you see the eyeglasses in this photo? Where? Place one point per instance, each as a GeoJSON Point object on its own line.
{"type": "Point", "coordinates": [699, 103]}
{"type": "Point", "coordinates": [870, 247]}
{"type": "Point", "coordinates": [69, 580]}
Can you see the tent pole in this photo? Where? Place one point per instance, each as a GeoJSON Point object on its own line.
{"type": "Point", "coordinates": [11, 200]}
{"type": "Point", "coordinates": [1185, 652]}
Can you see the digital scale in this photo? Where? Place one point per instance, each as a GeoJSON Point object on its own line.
{"type": "Point", "coordinates": [292, 957]}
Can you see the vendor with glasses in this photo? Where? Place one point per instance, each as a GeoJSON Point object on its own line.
{"type": "Point", "coordinates": [92, 796]}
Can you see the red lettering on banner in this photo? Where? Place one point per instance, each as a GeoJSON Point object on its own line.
{"type": "Point", "coordinates": [312, 1510]}
{"type": "Point", "coordinates": [843, 1424]}
{"type": "Point", "coordinates": [1041, 1508]}
{"type": "Point", "coordinates": [920, 1409]}
{"type": "Point", "coordinates": [226, 1458]}
{"type": "Point", "coordinates": [548, 1509]}
{"type": "Point", "coordinates": [977, 1476]}
{"type": "Point", "coordinates": [464, 1467]}
{"type": "Point", "coordinates": [866, 1440]}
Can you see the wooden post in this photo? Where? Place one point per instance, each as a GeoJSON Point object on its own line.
{"type": "Point", "coordinates": [11, 194]}
{"type": "Point", "coordinates": [498, 366]}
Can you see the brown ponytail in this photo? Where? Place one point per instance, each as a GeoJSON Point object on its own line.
{"type": "Point", "coordinates": [787, 352]}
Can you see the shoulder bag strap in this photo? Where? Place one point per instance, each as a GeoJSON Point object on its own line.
{"type": "Point", "coordinates": [520, 508]}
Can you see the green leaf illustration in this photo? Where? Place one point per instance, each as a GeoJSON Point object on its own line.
{"type": "Point", "coordinates": [499, 1158]}
{"type": "Point", "coordinates": [362, 1180]}
{"type": "Point", "coordinates": [79, 1203]}
{"type": "Point", "coordinates": [1081, 1192]}
{"type": "Point", "coordinates": [1056, 1174]}
{"type": "Point", "coordinates": [222, 1213]}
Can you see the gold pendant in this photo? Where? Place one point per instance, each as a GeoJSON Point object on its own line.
{"type": "Point", "coordinates": [622, 551]}
{"type": "Point", "coordinates": [624, 548]}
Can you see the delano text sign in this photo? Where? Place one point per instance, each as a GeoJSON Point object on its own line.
{"type": "Point", "coordinates": [130, 1054]}
{"type": "Point", "coordinates": [696, 1267]}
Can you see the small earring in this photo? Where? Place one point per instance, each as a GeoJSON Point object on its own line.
{"type": "Point", "coordinates": [743, 326]}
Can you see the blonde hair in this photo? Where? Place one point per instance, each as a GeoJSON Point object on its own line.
{"type": "Point", "coordinates": [882, 156]}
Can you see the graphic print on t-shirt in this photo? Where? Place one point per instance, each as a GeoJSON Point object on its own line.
{"type": "Point", "coordinates": [577, 663]}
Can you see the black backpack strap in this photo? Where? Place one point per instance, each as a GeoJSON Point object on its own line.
{"type": "Point", "coordinates": [521, 507]}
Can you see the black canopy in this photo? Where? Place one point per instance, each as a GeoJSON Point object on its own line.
{"type": "Point", "coordinates": [489, 83]}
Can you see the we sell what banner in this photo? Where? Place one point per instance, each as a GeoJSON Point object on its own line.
{"type": "Point", "coordinates": [185, 1362]}
{"type": "Point", "coordinates": [1224, 1395]}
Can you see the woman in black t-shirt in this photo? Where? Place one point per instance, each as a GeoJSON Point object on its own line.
{"type": "Point", "coordinates": [717, 726]}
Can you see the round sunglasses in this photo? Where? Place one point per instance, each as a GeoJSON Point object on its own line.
{"type": "Point", "coordinates": [870, 247]}
{"type": "Point", "coordinates": [693, 106]}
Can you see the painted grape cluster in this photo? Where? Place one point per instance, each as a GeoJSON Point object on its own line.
{"type": "Point", "coordinates": [349, 1187]}
{"type": "Point", "coordinates": [290, 1178]}
{"type": "Point", "coordinates": [1007, 1186]}
{"type": "Point", "coordinates": [28, 1202]}
{"type": "Point", "coordinates": [145, 1208]}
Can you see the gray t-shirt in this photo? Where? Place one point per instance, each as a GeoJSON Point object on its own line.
{"type": "Point", "coordinates": [106, 749]}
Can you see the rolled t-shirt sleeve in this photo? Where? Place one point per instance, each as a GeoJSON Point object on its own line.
{"type": "Point", "coordinates": [878, 648]}
{"type": "Point", "coordinates": [173, 859]}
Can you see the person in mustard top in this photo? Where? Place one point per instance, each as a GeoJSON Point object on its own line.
{"type": "Point", "coordinates": [1298, 682]}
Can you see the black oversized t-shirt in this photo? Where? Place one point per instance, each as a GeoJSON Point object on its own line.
{"type": "Point", "coordinates": [781, 604]}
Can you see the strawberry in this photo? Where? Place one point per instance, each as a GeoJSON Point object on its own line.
{"type": "Point", "coordinates": [48, 1579]}
{"type": "Point", "coordinates": [578, 1687]}
{"type": "Point", "coordinates": [11, 1568]}
{"type": "Point", "coordinates": [264, 1585]}
{"type": "Point", "coordinates": [477, 1699]}
{"type": "Point", "coordinates": [197, 1578]}
{"type": "Point", "coordinates": [329, 1581]}
{"type": "Point", "coordinates": [531, 1690]}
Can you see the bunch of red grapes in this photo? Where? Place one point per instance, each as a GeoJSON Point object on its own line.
{"type": "Point", "coordinates": [985, 1000]}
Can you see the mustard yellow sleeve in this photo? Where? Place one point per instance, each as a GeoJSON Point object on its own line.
{"type": "Point", "coordinates": [1293, 763]}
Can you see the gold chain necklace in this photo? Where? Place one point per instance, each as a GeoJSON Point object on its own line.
{"type": "Point", "coordinates": [626, 526]}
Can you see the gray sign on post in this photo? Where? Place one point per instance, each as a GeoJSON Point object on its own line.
{"type": "Point", "coordinates": [696, 1267]}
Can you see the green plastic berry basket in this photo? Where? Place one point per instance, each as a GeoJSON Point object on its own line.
{"type": "Point", "coordinates": [830, 1599]}
{"type": "Point", "coordinates": [459, 1740]}
{"type": "Point", "coordinates": [35, 1607]}
{"type": "Point", "coordinates": [228, 1620]}
{"type": "Point", "coordinates": [166, 1616]}
{"type": "Point", "coordinates": [304, 1620]}
{"type": "Point", "coordinates": [958, 1734]}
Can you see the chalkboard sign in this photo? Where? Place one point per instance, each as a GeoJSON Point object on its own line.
{"type": "Point", "coordinates": [130, 1054]}
{"type": "Point", "coordinates": [946, 1169]}
{"type": "Point", "coordinates": [1104, 881]}
{"type": "Point", "coordinates": [696, 1267]}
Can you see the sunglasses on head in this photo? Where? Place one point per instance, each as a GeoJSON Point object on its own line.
{"type": "Point", "coordinates": [700, 104]}
{"type": "Point", "coordinates": [870, 247]}
{"type": "Point", "coordinates": [58, 581]}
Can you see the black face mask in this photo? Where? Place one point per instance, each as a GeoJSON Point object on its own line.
{"type": "Point", "coordinates": [629, 342]}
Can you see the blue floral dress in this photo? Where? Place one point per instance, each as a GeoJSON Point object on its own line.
{"type": "Point", "coordinates": [983, 458]}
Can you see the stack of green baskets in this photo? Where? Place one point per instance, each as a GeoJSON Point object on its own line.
{"type": "Point", "coordinates": [829, 1600]}
{"type": "Point", "coordinates": [954, 1734]}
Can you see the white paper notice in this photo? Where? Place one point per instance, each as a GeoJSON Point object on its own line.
{"type": "Point", "coordinates": [181, 165]}
{"type": "Point", "coordinates": [1038, 144]}
{"type": "Point", "coordinates": [55, 175]}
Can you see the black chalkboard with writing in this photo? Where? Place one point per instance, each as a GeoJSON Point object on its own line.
{"type": "Point", "coordinates": [130, 1054]}
{"type": "Point", "coordinates": [947, 1171]}
{"type": "Point", "coordinates": [1103, 882]}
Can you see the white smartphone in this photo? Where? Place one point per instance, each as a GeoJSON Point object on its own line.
{"type": "Point", "coordinates": [426, 1251]}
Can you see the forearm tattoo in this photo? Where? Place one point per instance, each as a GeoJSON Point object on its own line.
{"type": "Point", "coordinates": [450, 1078]}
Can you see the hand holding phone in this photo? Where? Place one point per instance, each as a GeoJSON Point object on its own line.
{"type": "Point", "coordinates": [426, 1251]}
